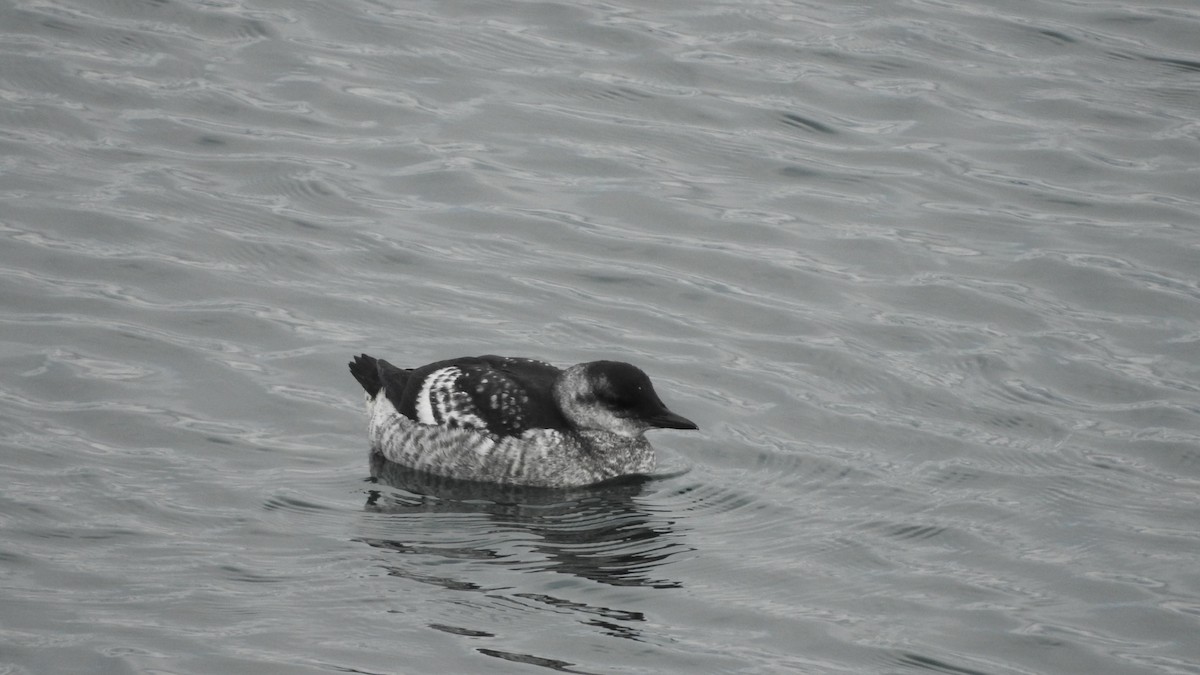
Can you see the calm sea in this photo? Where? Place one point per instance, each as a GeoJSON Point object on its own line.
{"type": "Point", "coordinates": [926, 272]}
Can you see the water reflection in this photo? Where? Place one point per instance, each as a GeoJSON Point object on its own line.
{"type": "Point", "coordinates": [599, 533]}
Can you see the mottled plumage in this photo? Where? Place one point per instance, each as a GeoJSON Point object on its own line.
{"type": "Point", "coordinates": [515, 421]}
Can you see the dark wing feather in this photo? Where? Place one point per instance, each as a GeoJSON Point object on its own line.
{"type": "Point", "coordinates": [502, 395]}
{"type": "Point", "coordinates": [395, 381]}
{"type": "Point", "coordinates": [536, 379]}
{"type": "Point", "coordinates": [511, 396]}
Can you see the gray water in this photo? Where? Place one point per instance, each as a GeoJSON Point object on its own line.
{"type": "Point", "coordinates": [925, 273]}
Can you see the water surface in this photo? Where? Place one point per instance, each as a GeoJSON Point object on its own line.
{"type": "Point", "coordinates": [924, 273]}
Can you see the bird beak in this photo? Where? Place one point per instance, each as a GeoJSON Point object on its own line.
{"type": "Point", "coordinates": [669, 420]}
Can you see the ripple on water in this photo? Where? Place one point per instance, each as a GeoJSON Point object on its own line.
{"type": "Point", "coordinates": [603, 533]}
{"type": "Point", "coordinates": [928, 271]}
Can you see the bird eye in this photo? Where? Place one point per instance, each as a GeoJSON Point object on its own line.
{"type": "Point", "coordinates": [617, 399]}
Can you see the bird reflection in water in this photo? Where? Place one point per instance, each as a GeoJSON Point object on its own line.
{"type": "Point", "coordinates": [599, 532]}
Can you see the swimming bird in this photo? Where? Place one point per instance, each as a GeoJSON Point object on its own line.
{"type": "Point", "coordinates": [514, 421]}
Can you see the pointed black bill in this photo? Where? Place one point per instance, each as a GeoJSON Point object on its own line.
{"type": "Point", "coordinates": [669, 420]}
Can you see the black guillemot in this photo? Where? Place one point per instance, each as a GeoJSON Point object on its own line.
{"type": "Point", "coordinates": [514, 421]}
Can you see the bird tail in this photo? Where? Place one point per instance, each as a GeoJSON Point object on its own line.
{"type": "Point", "coordinates": [375, 374]}
{"type": "Point", "coordinates": [365, 369]}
